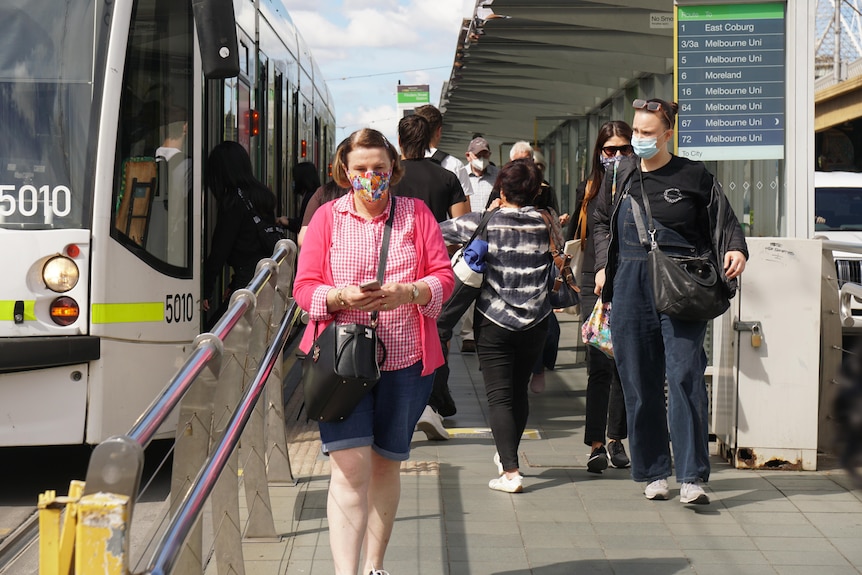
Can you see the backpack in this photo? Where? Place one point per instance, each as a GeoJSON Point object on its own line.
{"type": "Point", "coordinates": [438, 156]}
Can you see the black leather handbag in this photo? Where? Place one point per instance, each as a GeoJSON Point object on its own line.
{"type": "Point", "coordinates": [342, 364]}
{"type": "Point", "coordinates": [684, 287]}
{"type": "Point", "coordinates": [340, 368]}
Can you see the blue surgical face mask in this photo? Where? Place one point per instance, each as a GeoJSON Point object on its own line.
{"type": "Point", "coordinates": [645, 148]}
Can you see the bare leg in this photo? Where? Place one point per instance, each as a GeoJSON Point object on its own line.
{"type": "Point", "coordinates": [347, 506]}
{"type": "Point", "coordinates": [384, 492]}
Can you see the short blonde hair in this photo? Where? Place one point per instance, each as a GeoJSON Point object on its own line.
{"type": "Point", "coordinates": [364, 138]}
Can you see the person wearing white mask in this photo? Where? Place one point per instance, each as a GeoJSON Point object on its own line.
{"type": "Point", "coordinates": [482, 174]}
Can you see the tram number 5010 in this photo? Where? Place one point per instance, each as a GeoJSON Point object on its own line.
{"type": "Point", "coordinates": [179, 307]}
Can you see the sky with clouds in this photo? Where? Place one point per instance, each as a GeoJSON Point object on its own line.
{"type": "Point", "coordinates": [408, 40]}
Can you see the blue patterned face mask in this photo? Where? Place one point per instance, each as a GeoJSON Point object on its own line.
{"type": "Point", "coordinates": [606, 161]}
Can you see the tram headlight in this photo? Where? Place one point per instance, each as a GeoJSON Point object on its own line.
{"type": "Point", "coordinates": [60, 274]}
{"type": "Point", "coordinates": [64, 311]}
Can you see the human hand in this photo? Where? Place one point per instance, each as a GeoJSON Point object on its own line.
{"type": "Point", "coordinates": [600, 282]}
{"type": "Point", "coordinates": [734, 264]}
{"type": "Point", "coordinates": [495, 204]}
{"type": "Point", "coordinates": [205, 304]}
{"type": "Point", "coordinates": [282, 221]}
{"type": "Point", "coordinates": [564, 219]}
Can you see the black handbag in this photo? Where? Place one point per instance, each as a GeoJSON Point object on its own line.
{"type": "Point", "coordinates": [468, 284]}
{"type": "Point", "coordinates": [268, 235]}
{"type": "Point", "coordinates": [342, 364]}
{"type": "Point", "coordinates": [684, 287]}
{"type": "Point", "coordinates": [562, 286]}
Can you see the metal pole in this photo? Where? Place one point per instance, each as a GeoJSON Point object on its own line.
{"type": "Point", "coordinates": [181, 524]}
{"type": "Point", "coordinates": [836, 62]}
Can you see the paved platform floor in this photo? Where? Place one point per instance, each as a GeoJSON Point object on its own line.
{"type": "Point", "coordinates": [567, 520]}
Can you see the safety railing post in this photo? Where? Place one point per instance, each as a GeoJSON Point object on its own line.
{"type": "Point", "coordinates": [259, 523]}
{"type": "Point", "coordinates": [277, 459]}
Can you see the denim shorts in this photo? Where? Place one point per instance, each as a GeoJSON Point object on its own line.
{"type": "Point", "coordinates": [386, 417]}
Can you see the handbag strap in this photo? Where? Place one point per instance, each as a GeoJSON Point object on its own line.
{"type": "Point", "coordinates": [262, 228]}
{"type": "Point", "coordinates": [481, 230]}
{"type": "Point", "coordinates": [547, 217]}
{"type": "Point", "coordinates": [384, 251]}
{"type": "Point", "coordinates": [639, 223]}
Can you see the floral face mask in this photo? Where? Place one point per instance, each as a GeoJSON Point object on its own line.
{"type": "Point", "coordinates": [370, 186]}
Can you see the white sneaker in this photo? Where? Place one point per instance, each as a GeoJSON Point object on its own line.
{"type": "Point", "coordinates": [498, 463]}
{"type": "Point", "coordinates": [693, 493]}
{"type": "Point", "coordinates": [431, 423]}
{"type": "Point", "coordinates": [503, 483]}
{"type": "Point", "coordinates": [657, 490]}
{"type": "Point", "coordinates": [378, 572]}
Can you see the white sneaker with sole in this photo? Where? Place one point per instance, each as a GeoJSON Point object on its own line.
{"type": "Point", "coordinates": [503, 483]}
{"type": "Point", "coordinates": [693, 493]}
{"type": "Point", "coordinates": [499, 465]}
{"type": "Point", "coordinates": [431, 423]}
{"type": "Point", "coordinates": [657, 490]}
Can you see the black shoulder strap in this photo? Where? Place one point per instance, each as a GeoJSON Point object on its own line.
{"type": "Point", "coordinates": [384, 250]}
{"type": "Point", "coordinates": [438, 156]}
{"type": "Point", "coordinates": [483, 224]}
{"type": "Point", "coordinates": [263, 230]}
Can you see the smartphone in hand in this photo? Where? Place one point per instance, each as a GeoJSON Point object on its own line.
{"type": "Point", "coordinates": [371, 285]}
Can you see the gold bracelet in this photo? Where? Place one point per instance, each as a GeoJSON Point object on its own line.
{"type": "Point", "coordinates": [340, 299]}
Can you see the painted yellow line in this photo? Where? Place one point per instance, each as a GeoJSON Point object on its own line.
{"type": "Point", "coordinates": [128, 312]}
{"type": "Point", "coordinates": [486, 432]}
{"type": "Point", "coordinates": [7, 310]}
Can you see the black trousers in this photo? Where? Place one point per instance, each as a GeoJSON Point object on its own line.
{"type": "Point", "coordinates": [507, 359]}
{"type": "Point", "coordinates": [606, 408]}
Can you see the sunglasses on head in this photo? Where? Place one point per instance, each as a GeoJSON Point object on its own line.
{"type": "Point", "coordinates": [652, 106]}
{"type": "Point", "coordinates": [611, 151]}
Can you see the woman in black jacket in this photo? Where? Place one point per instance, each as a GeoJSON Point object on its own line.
{"type": "Point", "coordinates": [605, 410]}
{"type": "Point", "coordinates": [245, 230]}
{"type": "Point", "coordinates": [650, 347]}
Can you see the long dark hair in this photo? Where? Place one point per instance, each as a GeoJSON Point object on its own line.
{"type": "Point", "coordinates": [597, 172]}
{"type": "Point", "coordinates": [306, 178]}
{"type": "Point", "coordinates": [228, 169]}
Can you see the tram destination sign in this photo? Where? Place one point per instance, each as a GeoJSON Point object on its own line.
{"type": "Point", "coordinates": [730, 80]}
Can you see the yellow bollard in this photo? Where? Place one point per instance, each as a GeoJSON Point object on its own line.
{"type": "Point", "coordinates": [57, 542]}
{"type": "Point", "coordinates": [101, 547]}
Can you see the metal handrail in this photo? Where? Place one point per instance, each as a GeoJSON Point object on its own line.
{"type": "Point", "coordinates": [183, 521]}
{"type": "Point", "coordinates": [207, 346]}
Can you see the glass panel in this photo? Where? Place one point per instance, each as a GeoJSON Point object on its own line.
{"type": "Point", "coordinates": [46, 92]}
{"type": "Point", "coordinates": [153, 175]}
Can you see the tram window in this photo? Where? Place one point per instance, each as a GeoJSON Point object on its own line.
{"type": "Point", "coordinates": [153, 175]}
{"type": "Point", "coordinates": [46, 86]}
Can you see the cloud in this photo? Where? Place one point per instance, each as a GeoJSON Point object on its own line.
{"type": "Point", "coordinates": [383, 118]}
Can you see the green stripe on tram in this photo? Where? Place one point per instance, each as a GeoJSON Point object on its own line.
{"type": "Point", "coordinates": [128, 312]}
{"type": "Point", "coordinates": [7, 310]}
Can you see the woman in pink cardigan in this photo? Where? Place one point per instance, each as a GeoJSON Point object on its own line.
{"type": "Point", "coordinates": [340, 251]}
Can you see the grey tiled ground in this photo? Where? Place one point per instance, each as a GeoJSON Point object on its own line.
{"type": "Point", "coordinates": [569, 521]}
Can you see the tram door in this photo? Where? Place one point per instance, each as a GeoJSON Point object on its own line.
{"type": "Point", "coordinates": [145, 300]}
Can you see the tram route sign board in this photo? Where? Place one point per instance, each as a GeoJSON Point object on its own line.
{"type": "Point", "coordinates": [730, 81]}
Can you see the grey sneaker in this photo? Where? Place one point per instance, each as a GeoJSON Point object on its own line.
{"type": "Point", "coordinates": [431, 423]}
{"type": "Point", "coordinates": [657, 490]}
{"type": "Point", "coordinates": [693, 493]}
{"type": "Point", "coordinates": [617, 452]}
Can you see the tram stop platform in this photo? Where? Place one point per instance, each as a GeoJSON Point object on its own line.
{"type": "Point", "coordinates": [567, 520]}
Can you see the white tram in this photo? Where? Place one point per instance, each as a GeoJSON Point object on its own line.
{"type": "Point", "coordinates": [101, 241]}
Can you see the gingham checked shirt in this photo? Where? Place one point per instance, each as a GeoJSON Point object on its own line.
{"type": "Point", "coordinates": [353, 256]}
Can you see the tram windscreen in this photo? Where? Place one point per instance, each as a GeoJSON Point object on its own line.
{"type": "Point", "coordinates": [46, 92]}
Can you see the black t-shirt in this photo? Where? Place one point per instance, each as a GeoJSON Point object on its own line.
{"type": "Point", "coordinates": [436, 186]}
{"type": "Point", "coordinates": [678, 194]}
